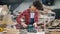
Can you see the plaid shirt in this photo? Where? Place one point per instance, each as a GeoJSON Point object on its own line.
{"type": "Point", "coordinates": [26, 14]}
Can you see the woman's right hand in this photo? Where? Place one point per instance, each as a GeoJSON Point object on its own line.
{"type": "Point", "coordinates": [24, 25]}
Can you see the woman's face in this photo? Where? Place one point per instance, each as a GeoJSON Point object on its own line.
{"type": "Point", "coordinates": [33, 8]}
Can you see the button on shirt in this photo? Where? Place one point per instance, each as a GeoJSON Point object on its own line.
{"type": "Point", "coordinates": [32, 15]}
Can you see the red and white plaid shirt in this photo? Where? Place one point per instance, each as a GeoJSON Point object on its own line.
{"type": "Point", "coordinates": [26, 14]}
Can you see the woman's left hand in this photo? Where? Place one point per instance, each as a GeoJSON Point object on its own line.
{"type": "Point", "coordinates": [35, 24]}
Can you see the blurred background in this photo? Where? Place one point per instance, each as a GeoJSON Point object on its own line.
{"type": "Point", "coordinates": [49, 20]}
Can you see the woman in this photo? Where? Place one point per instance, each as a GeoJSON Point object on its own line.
{"type": "Point", "coordinates": [31, 15]}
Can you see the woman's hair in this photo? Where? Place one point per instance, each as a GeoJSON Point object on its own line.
{"type": "Point", "coordinates": [38, 5]}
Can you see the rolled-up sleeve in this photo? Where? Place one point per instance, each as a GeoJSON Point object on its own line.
{"type": "Point", "coordinates": [18, 19]}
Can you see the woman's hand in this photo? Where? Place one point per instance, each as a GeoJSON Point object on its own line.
{"type": "Point", "coordinates": [35, 24]}
{"type": "Point", "coordinates": [24, 25]}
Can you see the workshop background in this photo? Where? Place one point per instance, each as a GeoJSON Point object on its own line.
{"type": "Point", "coordinates": [49, 23]}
